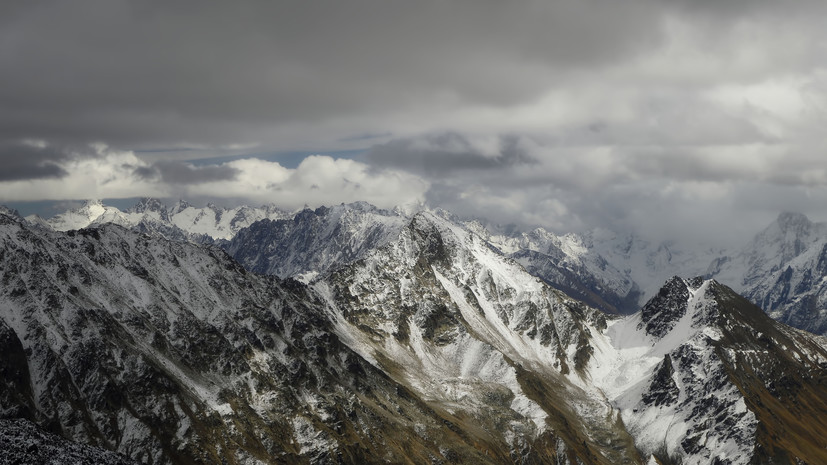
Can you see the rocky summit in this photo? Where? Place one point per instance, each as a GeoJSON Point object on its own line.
{"type": "Point", "coordinates": [411, 338]}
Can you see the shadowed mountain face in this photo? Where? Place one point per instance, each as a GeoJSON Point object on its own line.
{"type": "Point", "coordinates": [427, 346]}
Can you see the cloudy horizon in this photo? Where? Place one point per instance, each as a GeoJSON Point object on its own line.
{"type": "Point", "coordinates": [698, 121]}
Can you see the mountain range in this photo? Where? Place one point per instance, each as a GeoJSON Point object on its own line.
{"type": "Point", "coordinates": [351, 334]}
{"type": "Point", "coordinates": [781, 269]}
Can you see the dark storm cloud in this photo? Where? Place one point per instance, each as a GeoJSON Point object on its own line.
{"type": "Point", "coordinates": [23, 161]}
{"type": "Point", "coordinates": [444, 154]}
{"type": "Point", "coordinates": [174, 173]}
{"type": "Point", "coordinates": [126, 72]}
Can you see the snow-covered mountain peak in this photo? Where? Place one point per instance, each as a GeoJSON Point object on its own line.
{"type": "Point", "coordinates": [445, 313]}
{"type": "Point", "coordinates": [430, 222]}
{"type": "Point", "coordinates": [793, 221]}
{"type": "Point", "coordinates": [92, 203]}
{"type": "Point", "coordinates": [90, 212]}
{"type": "Point", "coordinates": [7, 218]}
{"type": "Point", "coordinates": [183, 221]}
{"type": "Point", "coordinates": [782, 269]}
{"type": "Point", "coordinates": [661, 368]}
{"type": "Point", "coordinates": [361, 205]}
{"type": "Point", "coordinates": [677, 314]}
{"type": "Point", "coordinates": [572, 263]}
{"type": "Point", "coordinates": [172, 353]}
{"type": "Point", "coordinates": [700, 351]}
{"type": "Point", "coordinates": [310, 242]}
{"type": "Point", "coordinates": [663, 311]}
{"type": "Point", "coordinates": [4, 210]}
{"type": "Point", "coordinates": [148, 204]}
{"type": "Point", "coordinates": [785, 238]}
{"type": "Point", "coordinates": [179, 206]}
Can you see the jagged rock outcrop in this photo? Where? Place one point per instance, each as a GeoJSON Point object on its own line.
{"type": "Point", "coordinates": [660, 315]}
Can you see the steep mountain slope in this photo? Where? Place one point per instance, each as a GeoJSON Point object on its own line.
{"type": "Point", "coordinates": [473, 333]}
{"type": "Point", "coordinates": [701, 375]}
{"type": "Point", "coordinates": [313, 241]}
{"type": "Point", "coordinates": [567, 263]}
{"type": "Point", "coordinates": [171, 353]}
{"type": "Point", "coordinates": [783, 270]}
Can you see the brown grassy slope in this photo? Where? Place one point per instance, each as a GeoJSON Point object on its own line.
{"type": "Point", "coordinates": [782, 374]}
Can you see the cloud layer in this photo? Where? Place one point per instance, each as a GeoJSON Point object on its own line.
{"type": "Point", "coordinates": [671, 117]}
{"type": "Point", "coordinates": [318, 180]}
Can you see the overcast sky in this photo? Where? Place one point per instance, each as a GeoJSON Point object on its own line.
{"type": "Point", "coordinates": [693, 119]}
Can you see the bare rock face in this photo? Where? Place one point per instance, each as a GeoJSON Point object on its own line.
{"type": "Point", "coordinates": [663, 390]}
{"type": "Point", "coordinates": [662, 312]}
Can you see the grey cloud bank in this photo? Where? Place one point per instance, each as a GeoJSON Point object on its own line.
{"type": "Point", "coordinates": [24, 161]}
{"type": "Point", "coordinates": [182, 173]}
{"type": "Point", "coordinates": [673, 118]}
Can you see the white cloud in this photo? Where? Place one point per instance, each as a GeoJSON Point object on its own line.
{"type": "Point", "coordinates": [108, 174]}
{"type": "Point", "coordinates": [318, 180]}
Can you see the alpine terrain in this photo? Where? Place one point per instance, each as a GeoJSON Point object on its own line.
{"type": "Point", "coordinates": [409, 338]}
